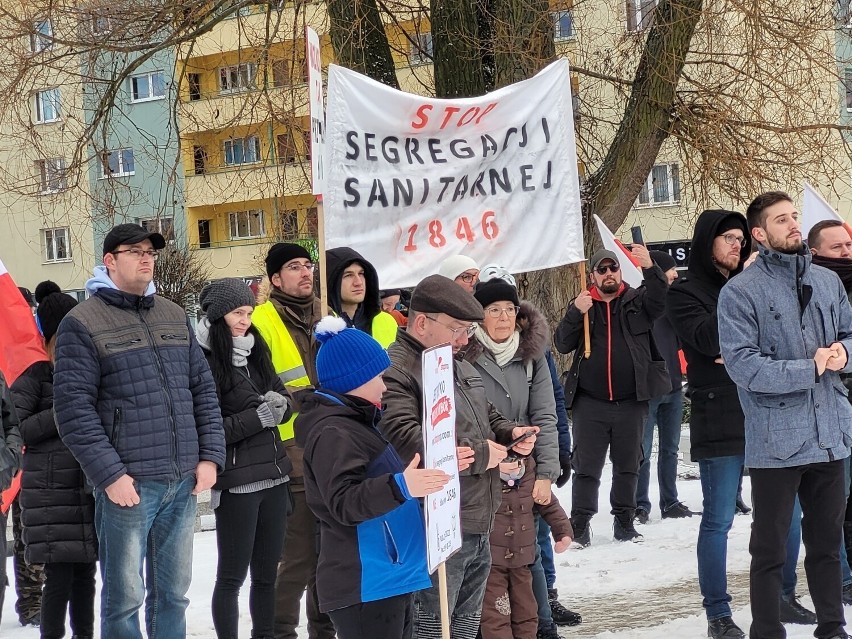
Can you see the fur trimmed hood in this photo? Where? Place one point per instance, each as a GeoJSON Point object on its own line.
{"type": "Point", "coordinates": [535, 336]}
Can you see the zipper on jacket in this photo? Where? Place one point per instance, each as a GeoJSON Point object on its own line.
{"type": "Point", "coordinates": [609, 350]}
{"type": "Point", "coordinates": [116, 422]}
{"type": "Point", "coordinates": [173, 336]}
{"type": "Point", "coordinates": [390, 544]}
{"type": "Point", "coordinates": [125, 343]}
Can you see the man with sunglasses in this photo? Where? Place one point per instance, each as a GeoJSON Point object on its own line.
{"type": "Point", "coordinates": [441, 312]}
{"type": "Point", "coordinates": [608, 393]}
{"type": "Point", "coordinates": [136, 405]}
{"type": "Point", "coordinates": [286, 322]}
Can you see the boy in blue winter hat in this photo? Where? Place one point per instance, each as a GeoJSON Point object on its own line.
{"type": "Point", "coordinates": [372, 552]}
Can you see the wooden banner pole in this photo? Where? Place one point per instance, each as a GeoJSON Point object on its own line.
{"type": "Point", "coordinates": [321, 258]}
{"type": "Point", "coordinates": [587, 341]}
{"type": "Point", "coordinates": [445, 605]}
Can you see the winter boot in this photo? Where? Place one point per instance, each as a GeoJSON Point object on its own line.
{"type": "Point", "coordinates": [562, 616]}
{"type": "Point", "coordinates": [642, 516]}
{"type": "Point", "coordinates": [724, 628]}
{"type": "Point", "coordinates": [545, 632]}
{"type": "Point", "coordinates": [623, 530]}
{"type": "Point", "coordinates": [582, 532]}
{"type": "Point", "coordinates": [742, 509]}
{"type": "Point", "coordinates": [794, 612]}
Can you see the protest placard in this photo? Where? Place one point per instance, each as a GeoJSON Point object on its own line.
{"type": "Point", "coordinates": [317, 110]}
{"type": "Point", "coordinates": [443, 527]}
{"type": "Point", "coordinates": [413, 180]}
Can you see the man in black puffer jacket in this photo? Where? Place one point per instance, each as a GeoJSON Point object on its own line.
{"type": "Point", "coordinates": [136, 404]}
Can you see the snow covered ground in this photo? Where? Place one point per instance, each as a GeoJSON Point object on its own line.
{"type": "Point", "coordinates": [623, 591]}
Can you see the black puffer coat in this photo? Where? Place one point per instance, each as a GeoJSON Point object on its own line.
{"type": "Point", "coordinates": [253, 453]}
{"type": "Point", "coordinates": [58, 509]}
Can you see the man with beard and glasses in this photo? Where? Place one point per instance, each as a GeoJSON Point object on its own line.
{"type": "Point", "coordinates": [785, 330]}
{"type": "Point", "coordinates": [608, 393]}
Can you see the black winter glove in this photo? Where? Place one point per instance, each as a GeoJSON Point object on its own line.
{"type": "Point", "coordinates": [565, 466]}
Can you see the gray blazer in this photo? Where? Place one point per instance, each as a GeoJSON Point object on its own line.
{"type": "Point", "coordinates": [769, 330]}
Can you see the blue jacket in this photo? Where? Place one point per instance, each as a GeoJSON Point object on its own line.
{"type": "Point", "coordinates": [133, 393]}
{"type": "Point", "coordinates": [372, 536]}
{"type": "Point", "coordinates": [772, 318]}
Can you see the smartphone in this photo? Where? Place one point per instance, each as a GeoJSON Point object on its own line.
{"type": "Point", "coordinates": [636, 233]}
{"type": "Point", "coordinates": [523, 437]}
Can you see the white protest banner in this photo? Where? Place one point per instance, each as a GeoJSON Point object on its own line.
{"type": "Point", "coordinates": [443, 527]}
{"type": "Point", "coordinates": [413, 180]}
{"type": "Point", "coordinates": [317, 110]}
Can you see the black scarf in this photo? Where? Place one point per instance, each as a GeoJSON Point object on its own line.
{"type": "Point", "coordinates": [840, 265]}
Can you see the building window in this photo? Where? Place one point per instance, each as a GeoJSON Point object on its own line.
{"type": "Point", "coordinates": [193, 81]}
{"type": "Point", "coordinates": [239, 77]}
{"type": "Point", "coordinates": [162, 225]}
{"type": "Point", "coordinates": [563, 25]}
{"type": "Point", "coordinates": [57, 245]}
{"type": "Point", "coordinates": [421, 48]}
{"type": "Point", "coordinates": [117, 163]}
{"type": "Point", "coordinates": [42, 36]}
{"type": "Point", "coordinates": [246, 225]}
{"type": "Point", "coordinates": [199, 160]}
{"type": "Point", "coordinates": [147, 86]}
{"type": "Point", "coordinates": [640, 14]}
{"type": "Point", "coordinates": [204, 234]}
{"type": "Point", "coordinates": [662, 188]}
{"type": "Point", "coordinates": [52, 176]}
{"type": "Point", "coordinates": [847, 82]}
{"type": "Point", "coordinates": [242, 150]}
{"type": "Point", "coordinates": [306, 136]}
{"type": "Point", "coordinates": [101, 24]}
{"type": "Point", "coordinates": [47, 105]}
{"type": "Point", "coordinates": [311, 226]}
{"type": "Point", "coordinates": [289, 224]}
{"type": "Point", "coordinates": [286, 149]}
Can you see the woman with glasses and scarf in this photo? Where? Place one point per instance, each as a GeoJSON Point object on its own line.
{"type": "Point", "coordinates": [251, 497]}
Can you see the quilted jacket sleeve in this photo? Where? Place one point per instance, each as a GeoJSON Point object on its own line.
{"type": "Point", "coordinates": [208, 417]}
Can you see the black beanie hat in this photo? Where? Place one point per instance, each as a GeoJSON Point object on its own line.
{"type": "Point", "coordinates": [282, 253]}
{"type": "Point", "coordinates": [51, 309]}
{"type": "Point", "coordinates": [662, 259]}
{"type": "Point", "coordinates": [496, 290]}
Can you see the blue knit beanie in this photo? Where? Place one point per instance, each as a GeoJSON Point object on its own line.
{"type": "Point", "coordinates": [348, 357]}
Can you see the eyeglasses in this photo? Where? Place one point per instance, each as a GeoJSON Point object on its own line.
{"type": "Point", "coordinates": [732, 239]}
{"type": "Point", "coordinates": [297, 268]}
{"type": "Point", "coordinates": [139, 253]}
{"type": "Point", "coordinates": [457, 332]}
{"type": "Point", "coordinates": [612, 268]}
{"type": "Point", "coordinates": [467, 278]}
{"type": "Point", "coordinates": [496, 311]}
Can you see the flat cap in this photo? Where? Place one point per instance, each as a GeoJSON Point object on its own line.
{"type": "Point", "coordinates": [439, 294]}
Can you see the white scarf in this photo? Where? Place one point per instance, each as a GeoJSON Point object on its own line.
{"type": "Point", "coordinates": [503, 352]}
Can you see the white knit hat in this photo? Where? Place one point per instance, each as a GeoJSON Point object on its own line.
{"type": "Point", "coordinates": [454, 266]}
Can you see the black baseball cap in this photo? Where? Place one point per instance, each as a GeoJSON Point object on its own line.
{"type": "Point", "coordinates": [131, 234]}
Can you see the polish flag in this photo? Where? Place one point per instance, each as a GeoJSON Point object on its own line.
{"type": "Point", "coordinates": [630, 271]}
{"type": "Point", "coordinates": [21, 344]}
{"type": "Point", "coordinates": [815, 209]}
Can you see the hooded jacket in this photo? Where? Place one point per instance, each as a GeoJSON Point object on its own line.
{"type": "Point", "coordinates": [522, 390]}
{"type": "Point", "coordinates": [133, 393]}
{"type": "Point", "coordinates": [634, 311]}
{"type": "Point", "coordinates": [369, 317]}
{"type": "Point", "coordinates": [716, 423]}
{"type": "Point", "coordinates": [58, 509]}
{"type": "Point", "coordinates": [772, 319]}
{"type": "Point", "coordinates": [372, 540]}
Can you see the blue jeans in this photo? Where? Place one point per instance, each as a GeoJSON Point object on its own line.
{"type": "Point", "coordinates": [667, 413]}
{"type": "Point", "coordinates": [794, 543]}
{"type": "Point", "coordinates": [157, 534]}
{"type": "Point", "coordinates": [719, 479]}
{"type": "Point", "coordinates": [541, 579]}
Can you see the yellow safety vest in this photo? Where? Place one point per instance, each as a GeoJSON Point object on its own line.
{"type": "Point", "coordinates": [286, 358]}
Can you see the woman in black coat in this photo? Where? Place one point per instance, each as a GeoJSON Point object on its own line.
{"type": "Point", "coordinates": [251, 497]}
{"type": "Point", "coordinates": [57, 506]}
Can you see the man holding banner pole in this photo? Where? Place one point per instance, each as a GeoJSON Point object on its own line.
{"type": "Point", "coordinates": [440, 313]}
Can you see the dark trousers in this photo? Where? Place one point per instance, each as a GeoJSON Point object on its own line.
{"type": "Point", "coordinates": [68, 586]}
{"type": "Point", "coordinates": [389, 618]}
{"type": "Point", "coordinates": [598, 426]}
{"type": "Point", "coordinates": [820, 491]}
{"type": "Point", "coordinates": [509, 610]}
{"type": "Point", "coordinates": [296, 572]}
{"type": "Point", "coordinates": [249, 536]}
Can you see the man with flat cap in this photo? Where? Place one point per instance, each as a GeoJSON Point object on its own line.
{"type": "Point", "coordinates": [608, 393]}
{"type": "Point", "coordinates": [286, 321]}
{"type": "Point", "coordinates": [441, 312]}
{"type": "Point", "coordinates": [136, 405]}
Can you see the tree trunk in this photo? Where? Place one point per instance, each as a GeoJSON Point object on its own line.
{"type": "Point", "coordinates": [523, 39]}
{"type": "Point", "coordinates": [456, 49]}
{"type": "Point", "coordinates": [359, 39]}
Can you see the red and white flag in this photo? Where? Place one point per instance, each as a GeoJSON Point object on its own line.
{"type": "Point", "coordinates": [630, 271]}
{"type": "Point", "coordinates": [815, 209]}
{"type": "Point", "coordinates": [21, 344]}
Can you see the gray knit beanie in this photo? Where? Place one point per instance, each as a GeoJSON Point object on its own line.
{"type": "Point", "coordinates": [219, 298]}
